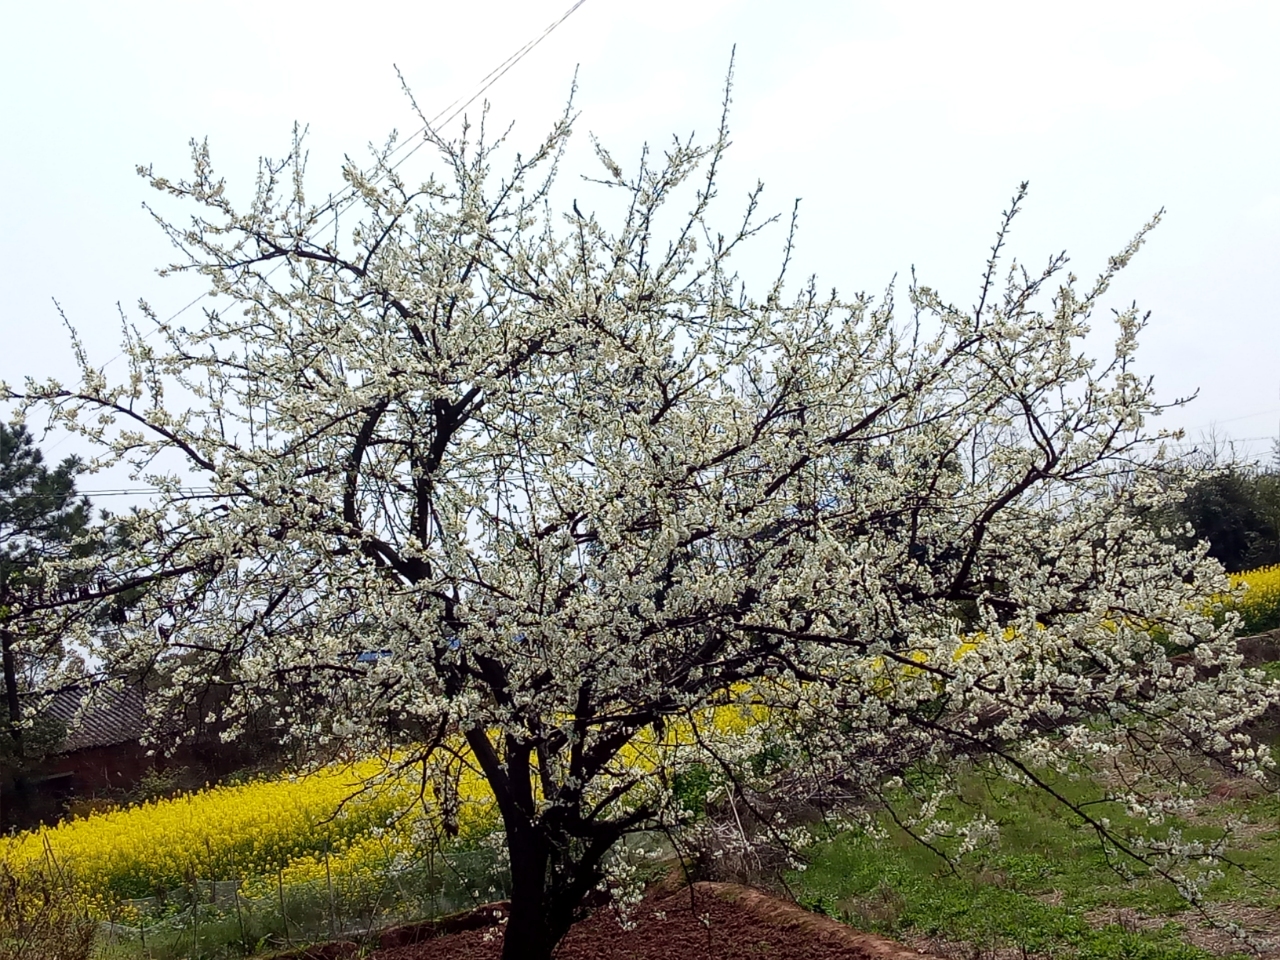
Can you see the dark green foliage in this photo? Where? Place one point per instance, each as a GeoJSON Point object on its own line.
{"type": "Point", "coordinates": [41, 517]}
{"type": "Point", "coordinates": [39, 738]}
{"type": "Point", "coordinates": [1237, 510]}
{"type": "Point", "coordinates": [39, 508]}
{"type": "Point", "coordinates": [691, 787]}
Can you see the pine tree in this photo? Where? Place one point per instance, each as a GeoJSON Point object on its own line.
{"type": "Point", "coordinates": [42, 517]}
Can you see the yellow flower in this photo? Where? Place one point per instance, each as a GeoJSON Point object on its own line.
{"type": "Point", "coordinates": [1259, 605]}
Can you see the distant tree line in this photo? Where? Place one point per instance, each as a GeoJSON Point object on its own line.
{"type": "Point", "coordinates": [1236, 508]}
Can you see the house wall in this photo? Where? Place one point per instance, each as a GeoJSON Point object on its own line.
{"type": "Point", "coordinates": [96, 770]}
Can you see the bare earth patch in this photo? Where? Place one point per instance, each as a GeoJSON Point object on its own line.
{"type": "Point", "coordinates": [707, 921]}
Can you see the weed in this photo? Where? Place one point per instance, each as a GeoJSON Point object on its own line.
{"type": "Point", "coordinates": [40, 918]}
{"type": "Point", "coordinates": [1033, 892]}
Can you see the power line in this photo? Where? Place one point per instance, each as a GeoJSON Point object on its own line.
{"type": "Point", "coordinates": [1243, 416]}
{"type": "Point", "coordinates": [130, 491]}
{"type": "Point", "coordinates": [113, 492]}
{"type": "Point", "coordinates": [1223, 442]}
{"type": "Point", "coordinates": [492, 77]}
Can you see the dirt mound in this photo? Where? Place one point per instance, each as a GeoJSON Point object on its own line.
{"type": "Point", "coordinates": [708, 921]}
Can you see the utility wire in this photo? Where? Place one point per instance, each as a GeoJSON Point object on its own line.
{"type": "Point", "coordinates": [492, 77]}
{"type": "Point", "coordinates": [1224, 441]}
{"type": "Point", "coordinates": [418, 138]}
{"type": "Point", "coordinates": [117, 492]}
{"type": "Point", "coordinates": [1243, 416]}
{"type": "Point", "coordinates": [335, 205]}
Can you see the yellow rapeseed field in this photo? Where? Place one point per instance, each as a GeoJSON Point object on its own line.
{"type": "Point", "coordinates": [1259, 607]}
{"type": "Point", "coordinates": [219, 833]}
{"type": "Point", "coordinates": [344, 822]}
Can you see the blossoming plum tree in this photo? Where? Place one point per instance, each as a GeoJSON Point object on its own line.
{"type": "Point", "coordinates": [476, 471]}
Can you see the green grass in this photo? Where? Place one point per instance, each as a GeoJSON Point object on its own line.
{"type": "Point", "coordinates": [1033, 891]}
{"type": "Point", "coordinates": [303, 914]}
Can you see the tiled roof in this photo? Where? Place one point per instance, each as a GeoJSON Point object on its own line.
{"type": "Point", "coordinates": [109, 716]}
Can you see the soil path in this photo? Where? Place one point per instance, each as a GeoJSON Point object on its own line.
{"type": "Point", "coordinates": [708, 921]}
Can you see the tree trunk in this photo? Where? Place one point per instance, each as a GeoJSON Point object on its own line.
{"type": "Point", "coordinates": [12, 702]}
{"type": "Point", "coordinates": [540, 915]}
{"type": "Point", "coordinates": [13, 786]}
{"type": "Point", "coordinates": [549, 878]}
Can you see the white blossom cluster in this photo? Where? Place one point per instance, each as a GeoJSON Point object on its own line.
{"type": "Point", "coordinates": [481, 472]}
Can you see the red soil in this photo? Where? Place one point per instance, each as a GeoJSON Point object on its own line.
{"type": "Point", "coordinates": [708, 921]}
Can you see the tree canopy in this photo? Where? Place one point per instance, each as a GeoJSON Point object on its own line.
{"type": "Point", "coordinates": [542, 491]}
{"type": "Point", "coordinates": [1236, 508]}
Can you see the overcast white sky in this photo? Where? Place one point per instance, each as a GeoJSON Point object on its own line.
{"type": "Point", "coordinates": [905, 126]}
